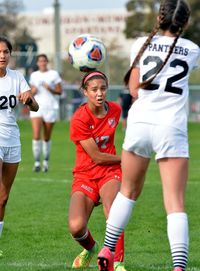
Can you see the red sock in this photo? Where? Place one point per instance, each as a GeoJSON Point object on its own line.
{"type": "Point", "coordinates": [119, 250]}
{"type": "Point", "coordinates": [86, 240]}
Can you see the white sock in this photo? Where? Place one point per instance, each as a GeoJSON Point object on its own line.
{"type": "Point", "coordinates": [46, 147]}
{"type": "Point", "coordinates": [177, 229]}
{"type": "Point", "coordinates": [1, 227]}
{"type": "Point", "coordinates": [36, 147]}
{"type": "Point", "coordinates": [119, 216]}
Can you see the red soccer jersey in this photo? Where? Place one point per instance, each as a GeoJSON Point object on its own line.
{"type": "Point", "coordinates": [85, 125]}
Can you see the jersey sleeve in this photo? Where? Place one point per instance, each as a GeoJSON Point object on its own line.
{"type": "Point", "coordinates": [31, 79]}
{"type": "Point", "coordinates": [197, 63]}
{"type": "Point", "coordinates": [136, 48]}
{"type": "Point", "coordinates": [57, 78]}
{"type": "Point", "coordinates": [23, 85]}
{"type": "Point", "coordinates": [79, 130]}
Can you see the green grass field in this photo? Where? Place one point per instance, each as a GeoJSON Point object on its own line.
{"type": "Point", "coordinates": [36, 237]}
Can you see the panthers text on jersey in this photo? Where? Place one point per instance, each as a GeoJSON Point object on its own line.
{"type": "Point", "coordinates": [164, 101]}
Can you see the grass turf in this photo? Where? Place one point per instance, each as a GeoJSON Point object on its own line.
{"type": "Point", "coordinates": [35, 235]}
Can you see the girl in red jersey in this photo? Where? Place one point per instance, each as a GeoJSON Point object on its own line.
{"type": "Point", "coordinates": [97, 171]}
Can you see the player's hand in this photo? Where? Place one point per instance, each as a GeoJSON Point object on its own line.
{"type": "Point", "coordinates": [25, 98]}
{"type": "Point", "coordinates": [45, 85]}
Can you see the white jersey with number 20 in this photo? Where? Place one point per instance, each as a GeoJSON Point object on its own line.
{"type": "Point", "coordinates": [164, 102]}
{"type": "Point", "coordinates": [11, 85]}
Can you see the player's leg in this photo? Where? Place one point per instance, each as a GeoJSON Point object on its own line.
{"type": "Point", "coordinates": [80, 210]}
{"type": "Point", "coordinates": [1, 219]}
{"type": "Point", "coordinates": [36, 142]}
{"type": "Point", "coordinates": [108, 193]}
{"type": "Point", "coordinates": [174, 174]}
{"type": "Point", "coordinates": [46, 144]}
{"type": "Point", "coordinates": [133, 173]}
{"type": "Point", "coordinates": [7, 175]}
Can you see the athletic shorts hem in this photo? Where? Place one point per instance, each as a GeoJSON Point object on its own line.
{"type": "Point", "coordinates": [135, 152]}
{"type": "Point", "coordinates": [10, 155]}
{"type": "Point", "coordinates": [91, 188]}
{"type": "Point", "coordinates": [93, 197]}
{"type": "Point", "coordinates": [160, 156]}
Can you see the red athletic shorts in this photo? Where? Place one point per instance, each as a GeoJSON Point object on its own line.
{"type": "Point", "coordinates": [91, 187]}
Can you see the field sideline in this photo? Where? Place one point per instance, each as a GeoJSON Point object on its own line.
{"type": "Point", "coordinates": [35, 235]}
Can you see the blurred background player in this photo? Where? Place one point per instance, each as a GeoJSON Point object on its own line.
{"type": "Point", "coordinates": [97, 172]}
{"type": "Point", "coordinates": [13, 89]}
{"type": "Point", "coordinates": [45, 86]}
{"type": "Point", "coordinates": [126, 101]}
{"type": "Point", "coordinates": [157, 123]}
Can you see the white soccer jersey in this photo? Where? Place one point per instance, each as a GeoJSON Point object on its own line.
{"type": "Point", "coordinates": [164, 102]}
{"type": "Point", "coordinates": [44, 97]}
{"type": "Point", "coordinates": [10, 86]}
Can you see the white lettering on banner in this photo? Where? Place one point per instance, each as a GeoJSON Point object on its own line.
{"type": "Point", "coordinates": [44, 20]}
{"type": "Point", "coordinates": [108, 25]}
{"type": "Point", "coordinates": [94, 29]}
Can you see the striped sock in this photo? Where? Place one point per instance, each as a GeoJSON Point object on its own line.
{"type": "Point", "coordinates": [179, 255]}
{"type": "Point", "coordinates": [178, 238]}
{"type": "Point", "coordinates": [119, 216]}
{"type": "Point", "coordinates": [112, 236]}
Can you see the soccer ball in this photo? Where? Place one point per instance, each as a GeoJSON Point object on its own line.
{"type": "Point", "coordinates": [86, 53]}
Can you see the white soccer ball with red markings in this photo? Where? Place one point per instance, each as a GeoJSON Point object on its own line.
{"type": "Point", "coordinates": [87, 53]}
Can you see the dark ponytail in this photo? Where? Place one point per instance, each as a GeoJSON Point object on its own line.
{"type": "Point", "coordinates": [140, 53]}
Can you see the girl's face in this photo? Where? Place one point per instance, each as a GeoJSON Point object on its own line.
{"type": "Point", "coordinates": [96, 92]}
{"type": "Point", "coordinates": [42, 63]}
{"type": "Point", "coordinates": [4, 55]}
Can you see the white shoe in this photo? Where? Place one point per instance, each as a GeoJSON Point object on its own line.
{"type": "Point", "coordinates": [45, 166]}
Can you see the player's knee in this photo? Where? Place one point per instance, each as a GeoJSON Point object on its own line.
{"type": "Point", "coordinates": [77, 227]}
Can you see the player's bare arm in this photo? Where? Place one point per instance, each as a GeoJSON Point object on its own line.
{"type": "Point", "coordinates": [57, 89]}
{"type": "Point", "coordinates": [96, 155]}
{"type": "Point", "coordinates": [134, 82]}
{"type": "Point", "coordinates": [33, 89]}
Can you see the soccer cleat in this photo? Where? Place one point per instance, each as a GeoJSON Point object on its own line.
{"type": "Point", "coordinates": [105, 260]}
{"type": "Point", "coordinates": [36, 168]}
{"type": "Point", "coordinates": [178, 269]}
{"type": "Point", "coordinates": [84, 258]}
{"type": "Point", "coordinates": [45, 168]}
{"type": "Point", "coordinates": [119, 266]}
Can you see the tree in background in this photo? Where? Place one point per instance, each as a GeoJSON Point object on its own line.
{"type": "Point", "coordinates": [10, 26]}
{"type": "Point", "coordinates": [9, 10]}
{"type": "Point", "coordinates": [142, 15]}
{"type": "Point", "coordinates": [193, 31]}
